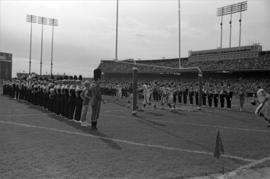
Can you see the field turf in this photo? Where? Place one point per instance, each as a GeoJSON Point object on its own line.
{"type": "Point", "coordinates": [153, 144]}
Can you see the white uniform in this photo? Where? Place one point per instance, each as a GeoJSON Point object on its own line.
{"type": "Point", "coordinates": [164, 95]}
{"type": "Point", "coordinates": [170, 95]}
{"type": "Point", "coordinates": [264, 107]}
{"type": "Point", "coordinates": [119, 91]}
{"type": "Point", "coordinates": [146, 94]}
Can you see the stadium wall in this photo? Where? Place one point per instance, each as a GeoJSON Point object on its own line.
{"type": "Point", "coordinates": [190, 75]}
{"type": "Point", "coordinates": [243, 52]}
{"type": "Point", "coordinates": [5, 66]}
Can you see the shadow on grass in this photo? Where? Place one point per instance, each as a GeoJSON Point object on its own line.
{"type": "Point", "coordinates": [159, 127]}
{"type": "Point", "coordinates": [87, 130]}
{"type": "Point", "coordinates": [103, 137]}
{"type": "Point", "coordinates": [37, 107]}
{"type": "Point", "coordinates": [154, 113]}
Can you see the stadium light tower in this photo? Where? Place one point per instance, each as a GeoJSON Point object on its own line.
{"type": "Point", "coordinates": [230, 10]}
{"type": "Point", "coordinates": [116, 35]}
{"type": "Point", "coordinates": [32, 19]}
{"type": "Point", "coordinates": [179, 34]}
{"type": "Point", "coordinates": [52, 22]}
{"type": "Point", "coordinates": [243, 7]}
{"type": "Point", "coordinates": [116, 32]}
{"type": "Point", "coordinates": [42, 21]}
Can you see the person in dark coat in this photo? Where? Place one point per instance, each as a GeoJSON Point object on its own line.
{"type": "Point", "coordinates": [221, 98]}
{"type": "Point", "coordinates": [216, 95]}
{"type": "Point", "coordinates": [78, 101]}
{"type": "Point", "coordinates": [185, 94]}
{"type": "Point", "coordinates": [71, 101]}
{"type": "Point", "coordinates": [228, 97]}
{"type": "Point", "coordinates": [210, 97]}
{"type": "Point", "coordinates": [179, 94]}
{"type": "Point", "coordinates": [96, 98]}
{"type": "Point", "coordinates": [190, 95]}
{"type": "Point", "coordinates": [58, 98]}
{"type": "Point", "coordinates": [204, 97]}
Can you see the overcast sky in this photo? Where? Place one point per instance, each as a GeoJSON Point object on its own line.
{"type": "Point", "coordinates": [148, 29]}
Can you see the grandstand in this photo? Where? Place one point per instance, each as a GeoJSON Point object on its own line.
{"type": "Point", "coordinates": [243, 52]}
{"type": "Point", "coordinates": [245, 61]}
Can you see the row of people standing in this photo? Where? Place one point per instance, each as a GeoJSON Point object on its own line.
{"type": "Point", "coordinates": [61, 97]}
{"type": "Point", "coordinates": [210, 97]}
{"type": "Point", "coordinates": [66, 98]}
{"type": "Point", "coordinates": [173, 94]}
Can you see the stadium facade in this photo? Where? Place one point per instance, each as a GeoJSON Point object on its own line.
{"type": "Point", "coordinates": [5, 66]}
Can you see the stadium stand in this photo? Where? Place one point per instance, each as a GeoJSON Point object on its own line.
{"type": "Point", "coordinates": [246, 66]}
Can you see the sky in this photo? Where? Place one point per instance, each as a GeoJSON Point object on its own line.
{"type": "Point", "coordinates": [148, 29]}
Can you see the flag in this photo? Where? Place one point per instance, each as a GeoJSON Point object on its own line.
{"type": "Point", "coordinates": [219, 147]}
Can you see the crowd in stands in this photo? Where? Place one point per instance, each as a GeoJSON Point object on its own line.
{"type": "Point", "coordinates": [233, 65]}
{"type": "Point", "coordinates": [260, 63]}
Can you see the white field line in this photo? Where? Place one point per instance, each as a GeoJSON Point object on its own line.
{"type": "Point", "coordinates": [29, 114]}
{"type": "Point", "coordinates": [113, 110]}
{"type": "Point", "coordinates": [156, 120]}
{"type": "Point", "coordinates": [125, 141]}
{"type": "Point", "coordinates": [194, 124]}
{"type": "Point", "coordinates": [243, 168]}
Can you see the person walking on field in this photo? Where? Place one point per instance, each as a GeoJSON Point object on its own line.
{"type": "Point", "coordinates": [263, 109]}
{"type": "Point", "coordinates": [241, 98]}
{"type": "Point", "coordinates": [86, 97]}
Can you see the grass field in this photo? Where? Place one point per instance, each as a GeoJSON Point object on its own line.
{"type": "Point", "coordinates": [153, 144]}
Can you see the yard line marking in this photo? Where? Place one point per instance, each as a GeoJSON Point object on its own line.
{"type": "Point", "coordinates": [126, 141]}
{"type": "Point", "coordinates": [244, 167]}
{"type": "Point", "coordinates": [194, 124]}
{"type": "Point", "coordinates": [30, 114]}
{"type": "Point", "coordinates": [113, 110]}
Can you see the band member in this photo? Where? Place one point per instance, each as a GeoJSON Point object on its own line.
{"type": "Point", "coordinates": [163, 95]}
{"type": "Point", "coordinates": [170, 91]}
{"type": "Point", "coordinates": [71, 101]}
{"type": "Point", "coordinates": [204, 96]}
{"type": "Point", "coordinates": [216, 95]}
{"type": "Point", "coordinates": [221, 98]}
{"type": "Point", "coordinates": [241, 94]}
{"type": "Point", "coordinates": [179, 94]}
{"type": "Point", "coordinates": [58, 99]}
{"type": "Point", "coordinates": [263, 109]}
{"type": "Point", "coordinates": [52, 98]}
{"type": "Point", "coordinates": [96, 98]}
{"type": "Point", "coordinates": [66, 96]}
{"type": "Point", "coordinates": [146, 95]}
{"type": "Point", "coordinates": [155, 94]}
{"type": "Point", "coordinates": [62, 99]}
{"type": "Point", "coordinates": [228, 96]}
{"type": "Point", "coordinates": [78, 101]}
{"type": "Point", "coordinates": [210, 97]}
{"type": "Point", "coordinates": [86, 96]}
{"type": "Point", "coordinates": [118, 92]}
{"type": "Point", "coordinates": [185, 94]}
{"type": "Point", "coordinates": [190, 95]}
{"type": "Point", "coordinates": [175, 95]}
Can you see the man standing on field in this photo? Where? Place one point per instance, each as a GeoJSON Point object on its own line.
{"type": "Point", "coordinates": [86, 97]}
{"type": "Point", "coordinates": [96, 98]}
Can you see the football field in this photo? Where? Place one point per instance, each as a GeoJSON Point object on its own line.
{"type": "Point", "coordinates": [153, 144]}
